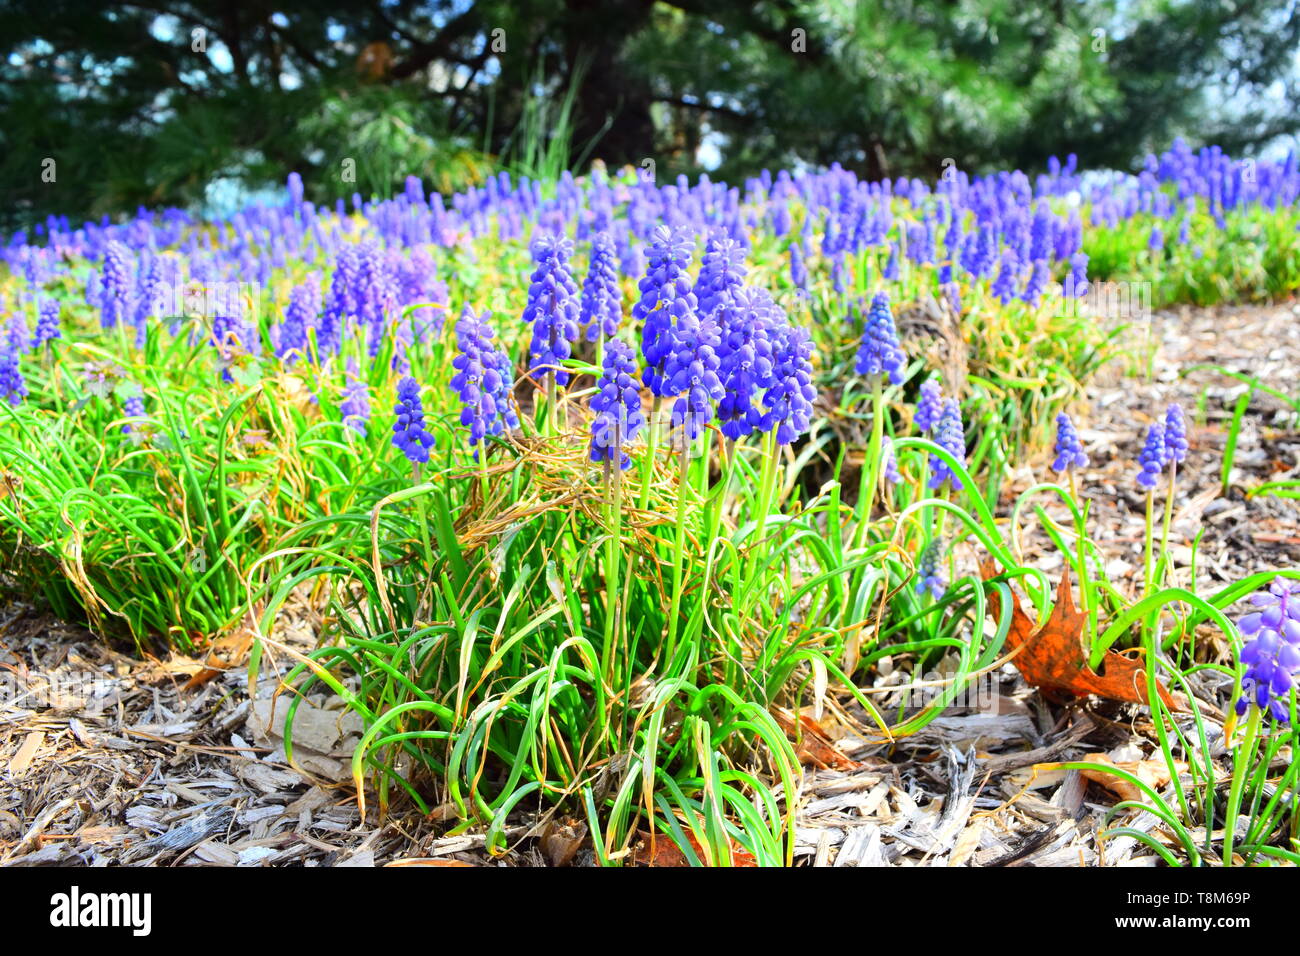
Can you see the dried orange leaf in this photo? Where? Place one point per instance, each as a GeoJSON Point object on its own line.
{"type": "Point", "coordinates": [1052, 657]}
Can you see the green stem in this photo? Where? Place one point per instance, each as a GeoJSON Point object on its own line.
{"type": "Point", "coordinates": [614, 506]}
{"type": "Point", "coordinates": [1081, 547]}
{"type": "Point", "coordinates": [550, 404]}
{"type": "Point", "coordinates": [1244, 753]}
{"type": "Point", "coordinates": [648, 463]}
{"type": "Point", "coordinates": [1169, 510]}
{"type": "Point", "coordinates": [870, 467]}
{"type": "Point", "coordinates": [1148, 564]}
{"type": "Point", "coordinates": [422, 513]}
{"type": "Point", "coordinates": [679, 544]}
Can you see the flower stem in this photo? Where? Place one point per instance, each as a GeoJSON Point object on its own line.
{"type": "Point", "coordinates": [1244, 753]}
{"type": "Point", "coordinates": [871, 467]}
{"type": "Point", "coordinates": [683, 486]}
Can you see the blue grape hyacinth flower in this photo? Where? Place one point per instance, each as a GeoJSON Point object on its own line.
{"type": "Point", "coordinates": [930, 578]}
{"type": "Point", "coordinates": [1175, 434]}
{"type": "Point", "coordinates": [602, 300]}
{"type": "Point", "coordinates": [666, 299]}
{"type": "Point", "coordinates": [889, 468]}
{"type": "Point", "coordinates": [47, 323]}
{"type": "Point", "coordinates": [722, 273]}
{"type": "Point", "coordinates": [409, 435]}
{"type": "Point", "coordinates": [483, 379]}
{"type": "Point", "coordinates": [930, 405]}
{"type": "Point", "coordinates": [355, 403]}
{"type": "Point", "coordinates": [1277, 609]}
{"type": "Point", "coordinates": [617, 404]}
{"type": "Point", "coordinates": [1272, 663]}
{"type": "Point", "coordinates": [789, 402]}
{"type": "Point", "coordinates": [132, 407]}
{"type": "Point", "coordinates": [951, 437]}
{"type": "Point", "coordinates": [1069, 450]}
{"type": "Point", "coordinates": [880, 352]}
{"type": "Point", "coordinates": [1152, 457]}
{"type": "Point", "coordinates": [691, 372]}
{"type": "Point", "coordinates": [552, 308]}
{"type": "Point", "coordinates": [746, 362]}
{"type": "Point", "coordinates": [13, 388]}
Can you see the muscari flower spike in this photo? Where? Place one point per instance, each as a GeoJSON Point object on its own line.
{"type": "Point", "coordinates": [722, 273]}
{"type": "Point", "coordinates": [746, 360]}
{"type": "Point", "coordinates": [1152, 457]}
{"type": "Point", "coordinates": [666, 298]}
{"type": "Point", "coordinates": [951, 437]}
{"type": "Point", "coordinates": [483, 379]}
{"type": "Point", "coordinates": [409, 434]}
{"type": "Point", "coordinates": [602, 300]}
{"type": "Point", "coordinates": [132, 407]}
{"type": "Point", "coordinates": [889, 467]}
{"type": "Point", "coordinates": [299, 314]}
{"type": "Point", "coordinates": [617, 405]}
{"type": "Point", "coordinates": [789, 401]}
{"type": "Point", "coordinates": [47, 323]}
{"type": "Point", "coordinates": [1069, 450]}
{"type": "Point", "coordinates": [552, 308]}
{"type": "Point", "coordinates": [880, 352]}
{"type": "Point", "coordinates": [930, 405]}
{"type": "Point", "coordinates": [691, 372]}
{"type": "Point", "coordinates": [355, 404]}
{"type": "Point", "coordinates": [930, 577]}
{"type": "Point", "coordinates": [1277, 609]}
{"type": "Point", "coordinates": [12, 386]}
{"type": "Point", "coordinates": [1271, 666]}
{"type": "Point", "coordinates": [1175, 434]}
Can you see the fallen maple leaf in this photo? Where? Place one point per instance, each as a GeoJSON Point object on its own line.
{"type": "Point", "coordinates": [1052, 658]}
{"type": "Point", "coordinates": [812, 746]}
{"type": "Point", "coordinates": [662, 851]}
{"type": "Point", "coordinates": [426, 861]}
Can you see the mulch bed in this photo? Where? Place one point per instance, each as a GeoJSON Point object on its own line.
{"type": "Point", "coordinates": [106, 759]}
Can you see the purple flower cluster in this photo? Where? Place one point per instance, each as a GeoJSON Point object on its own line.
{"type": "Point", "coordinates": [746, 369]}
{"type": "Point", "coordinates": [722, 273]}
{"type": "Point", "coordinates": [132, 407]}
{"type": "Point", "coordinates": [789, 401]}
{"type": "Point", "coordinates": [12, 344]}
{"type": "Point", "coordinates": [299, 315]}
{"type": "Point", "coordinates": [355, 403]}
{"type": "Point", "coordinates": [880, 352]}
{"type": "Point", "coordinates": [552, 308]}
{"type": "Point", "coordinates": [47, 323]}
{"type": "Point", "coordinates": [666, 298]}
{"type": "Point", "coordinates": [930, 577]}
{"type": "Point", "coordinates": [1152, 457]}
{"type": "Point", "coordinates": [691, 372]}
{"type": "Point", "coordinates": [1272, 655]}
{"type": "Point", "coordinates": [116, 283]}
{"type": "Point", "coordinates": [617, 405]}
{"type": "Point", "coordinates": [1175, 434]}
{"type": "Point", "coordinates": [951, 437]}
{"type": "Point", "coordinates": [889, 462]}
{"type": "Point", "coordinates": [602, 300]}
{"type": "Point", "coordinates": [484, 379]}
{"type": "Point", "coordinates": [1069, 450]}
{"type": "Point", "coordinates": [930, 406]}
{"type": "Point", "coordinates": [409, 434]}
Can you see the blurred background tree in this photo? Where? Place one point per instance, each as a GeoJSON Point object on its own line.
{"type": "Point", "coordinates": [185, 102]}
